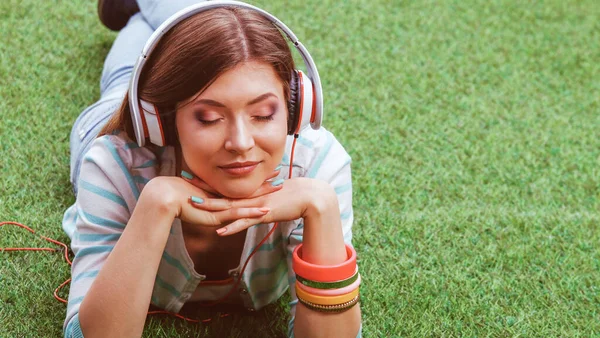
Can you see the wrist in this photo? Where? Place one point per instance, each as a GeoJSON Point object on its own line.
{"type": "Point", "coordinates": [323, 240]}
{"type": "Point", "coordinates": [321, 201]}
{"type": "Point", "coordinates": [151, 213]}
{"type": "Point", "coordinates": [158, 195]}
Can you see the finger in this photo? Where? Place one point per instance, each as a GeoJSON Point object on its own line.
{"type": "Point", "coordinates": [197, 182]}
{"type": "Point", "coordinates": [199, 217]}
{"type": "Point", "coordinates": [239, 213]}
{"type": "Point", "coordinates": [210, 204]}
{"type": "Point", "coordinates": [268, 187]}
{"type": "Point", "coordinates": [274, 174]}
{"type": "Point", "coordinates": [254, 202]}
{"type": "Point", "coordinates": [239, 225]}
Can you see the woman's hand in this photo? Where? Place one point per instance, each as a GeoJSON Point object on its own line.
{"type": "Point", "coordinates": [313, 200]}
{"type": "Point", "coordinates": [182, 196]}
{"type": "Point", "coordinates": [298, 198]}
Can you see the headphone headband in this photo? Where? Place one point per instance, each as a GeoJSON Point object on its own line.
{"type": "Point", "coordinates": [134, 102]}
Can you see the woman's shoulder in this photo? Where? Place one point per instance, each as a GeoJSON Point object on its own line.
{"type": "Point", "coordinates": [122, 161]}
{"type": "Point", "coordinates": [314, 148]}
{"type": "Point", "coordinates": [117, 148]}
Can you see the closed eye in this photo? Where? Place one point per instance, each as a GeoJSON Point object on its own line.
{"type": "Point", "coordinates": [207, 118]}
{"type": "Point", "coordinates": [208, 123]}
{"type": "Point", "coordinates": [264, 118]}
{"type": "Point", "coordinates": [272, 109]}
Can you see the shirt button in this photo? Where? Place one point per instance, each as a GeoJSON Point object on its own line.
{"type": "Point", "coordinates": [243, 291]}
{"type": "Point", "coordinates": [250, 309]}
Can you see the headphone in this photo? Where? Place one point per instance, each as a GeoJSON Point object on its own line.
{"type": "Point", "coordinates": [306, 95]}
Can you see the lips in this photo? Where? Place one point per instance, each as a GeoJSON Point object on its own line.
{"type": "Point", "coordinates": [240, 164]}
{"type": "Point", "coordinates": [239, 168]}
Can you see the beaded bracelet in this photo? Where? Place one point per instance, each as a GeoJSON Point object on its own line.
{"type": "Point", "coordinates": [330, 292]}
{"type": "Point", "coordinates": [324, 273]}
{"type": "Point", "coordinates": [326, 300]}
{"type": "Point", "coordinates": [330, 308]}
{"type": "Point", "coordinates": [328, 285]}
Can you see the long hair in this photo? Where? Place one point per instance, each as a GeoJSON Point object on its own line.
{"type": "Point", "coordinates": [194, 53]}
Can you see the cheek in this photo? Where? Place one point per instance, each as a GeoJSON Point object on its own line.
{"type": "Point", "coordinates": [273, 139]}
{"type": "Point", "coordinates": [195, 148]}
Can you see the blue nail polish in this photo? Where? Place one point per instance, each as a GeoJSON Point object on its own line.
{"type": "Point", "coordinates": [278, 167]}
{"type": "Point", "coordinates": [186, 175]}
{"type": "Point", "coordinates": [197, 200]}
{"type": "Point", "coordinates": [278, 182]}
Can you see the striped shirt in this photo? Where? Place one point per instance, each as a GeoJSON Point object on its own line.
{"type": "Point", "coordinates": [113, 173]}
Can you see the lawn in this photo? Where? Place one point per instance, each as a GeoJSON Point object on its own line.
{"type": "Point", "coordinates": [474, 132]}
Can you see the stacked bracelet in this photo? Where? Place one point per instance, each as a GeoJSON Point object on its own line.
{"type": "Point", "coordinates": [330, 291]}
{"type": "Point", "coordinates": [329, 285]}
{"type": "Point", "coordinates": [326, 300]}
{"type": "Point", "coordinates": [327, 288]}
{"type": "Point", "coordinates": [324, 273]}
{"type": "Point", "coordinates": [330, 308]}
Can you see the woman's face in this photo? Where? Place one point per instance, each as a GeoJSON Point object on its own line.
{"type": "Point", "coordinates": [233, 134]}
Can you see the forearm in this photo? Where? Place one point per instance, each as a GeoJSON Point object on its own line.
{"type": "Point", "coordinates": [118, 300]}
{"type": "Point", "coordinates": [323, 244]}
{"type": "Point", "coordinates": [323, 240]}
{"type": "Point", "coordinates": [310, 323]}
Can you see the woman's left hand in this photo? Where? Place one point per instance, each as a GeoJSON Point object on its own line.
{"type": "Point", "coordinates": [298, 198]}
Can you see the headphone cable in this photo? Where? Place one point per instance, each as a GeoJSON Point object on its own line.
{"type": "Point", "coordinates": [66, 256]}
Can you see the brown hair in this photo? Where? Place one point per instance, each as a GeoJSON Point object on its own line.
{"type": "Point", "coordinates": [195, 52]}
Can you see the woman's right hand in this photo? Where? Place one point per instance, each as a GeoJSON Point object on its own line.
{"type": "Point", "coordinates": [175, 194]}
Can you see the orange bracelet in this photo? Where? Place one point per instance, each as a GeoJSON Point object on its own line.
{"type": "Point", "coordinates": [326, 300]}
{"type": "Point", "coordinates": [324, 273]}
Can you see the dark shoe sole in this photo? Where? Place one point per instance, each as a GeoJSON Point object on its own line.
{"type": "Point", "coordinates": [114, 14]}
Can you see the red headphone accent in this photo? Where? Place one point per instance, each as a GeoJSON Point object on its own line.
{"type": "Point", "coordinates": [301, 99]}
{"type": "Point", "coordinates": [314, 106]}
{"type": "Point", "coordinates": [144, 124]}
{"type": "Point", "coordinates": [162, 132]}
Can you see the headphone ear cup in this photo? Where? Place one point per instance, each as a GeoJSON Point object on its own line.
{"type": "Point", "coordinates": [303, 105]}
{"type": "Point", "coordinates": [153, 126]}
{"type": "Point", "coordinates": [293, 104]}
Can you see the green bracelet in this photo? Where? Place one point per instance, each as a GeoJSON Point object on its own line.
{"type": "Point", "coordinates": [327, 285]}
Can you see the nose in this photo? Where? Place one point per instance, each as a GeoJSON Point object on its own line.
{"type": "Point", "coordinates": [240, 138]}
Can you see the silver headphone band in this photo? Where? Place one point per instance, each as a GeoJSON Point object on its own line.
{"type": "Point", "coordinates": [187, 12]}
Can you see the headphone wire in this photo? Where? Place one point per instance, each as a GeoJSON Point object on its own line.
{"type": "Point", "coordinates": [65, 248]}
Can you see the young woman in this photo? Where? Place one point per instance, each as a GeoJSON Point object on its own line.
{"type": "Point", "coordinates": [184, 222]}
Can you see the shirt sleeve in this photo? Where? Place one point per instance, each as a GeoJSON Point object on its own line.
{"type": "Point", "coordinates": [106, 197]}
{"type": "Point", "coordinates": [327, 161]}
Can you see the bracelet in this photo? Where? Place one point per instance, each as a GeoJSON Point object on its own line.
{"type": "Point", "coordinates": [330, 308]}
{"type": "Point", "coordinates": [326, 300]}
{"type": "Point", "coordinates": [325, 285]}
{"type": "Point", "coordinates": [324, 273]}
{"type": "Point", "coordinates": [330, 292]}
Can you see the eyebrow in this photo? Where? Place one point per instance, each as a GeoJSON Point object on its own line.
{"type": "Point", "coordinates": [220, 105]}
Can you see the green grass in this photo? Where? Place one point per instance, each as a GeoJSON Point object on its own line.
{"type": "Point", "coordinates": [473, 127]}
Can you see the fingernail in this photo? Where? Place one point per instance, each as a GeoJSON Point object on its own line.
{"type": "Point", "coordinates": [278, 167]}
{"type": "Point", "coordinates": [186, 175]}
{"type": "Point", "coordinates": [221, 231]}
{"type": "Point", "coordinates": [264, 210]}
{"type": "Point", "coordinates": [197, 200]}
{"type": "Point", "coordinates": [278, 182]}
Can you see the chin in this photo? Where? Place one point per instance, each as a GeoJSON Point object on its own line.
{"type": "Point", "coordinates": [237, 190]}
